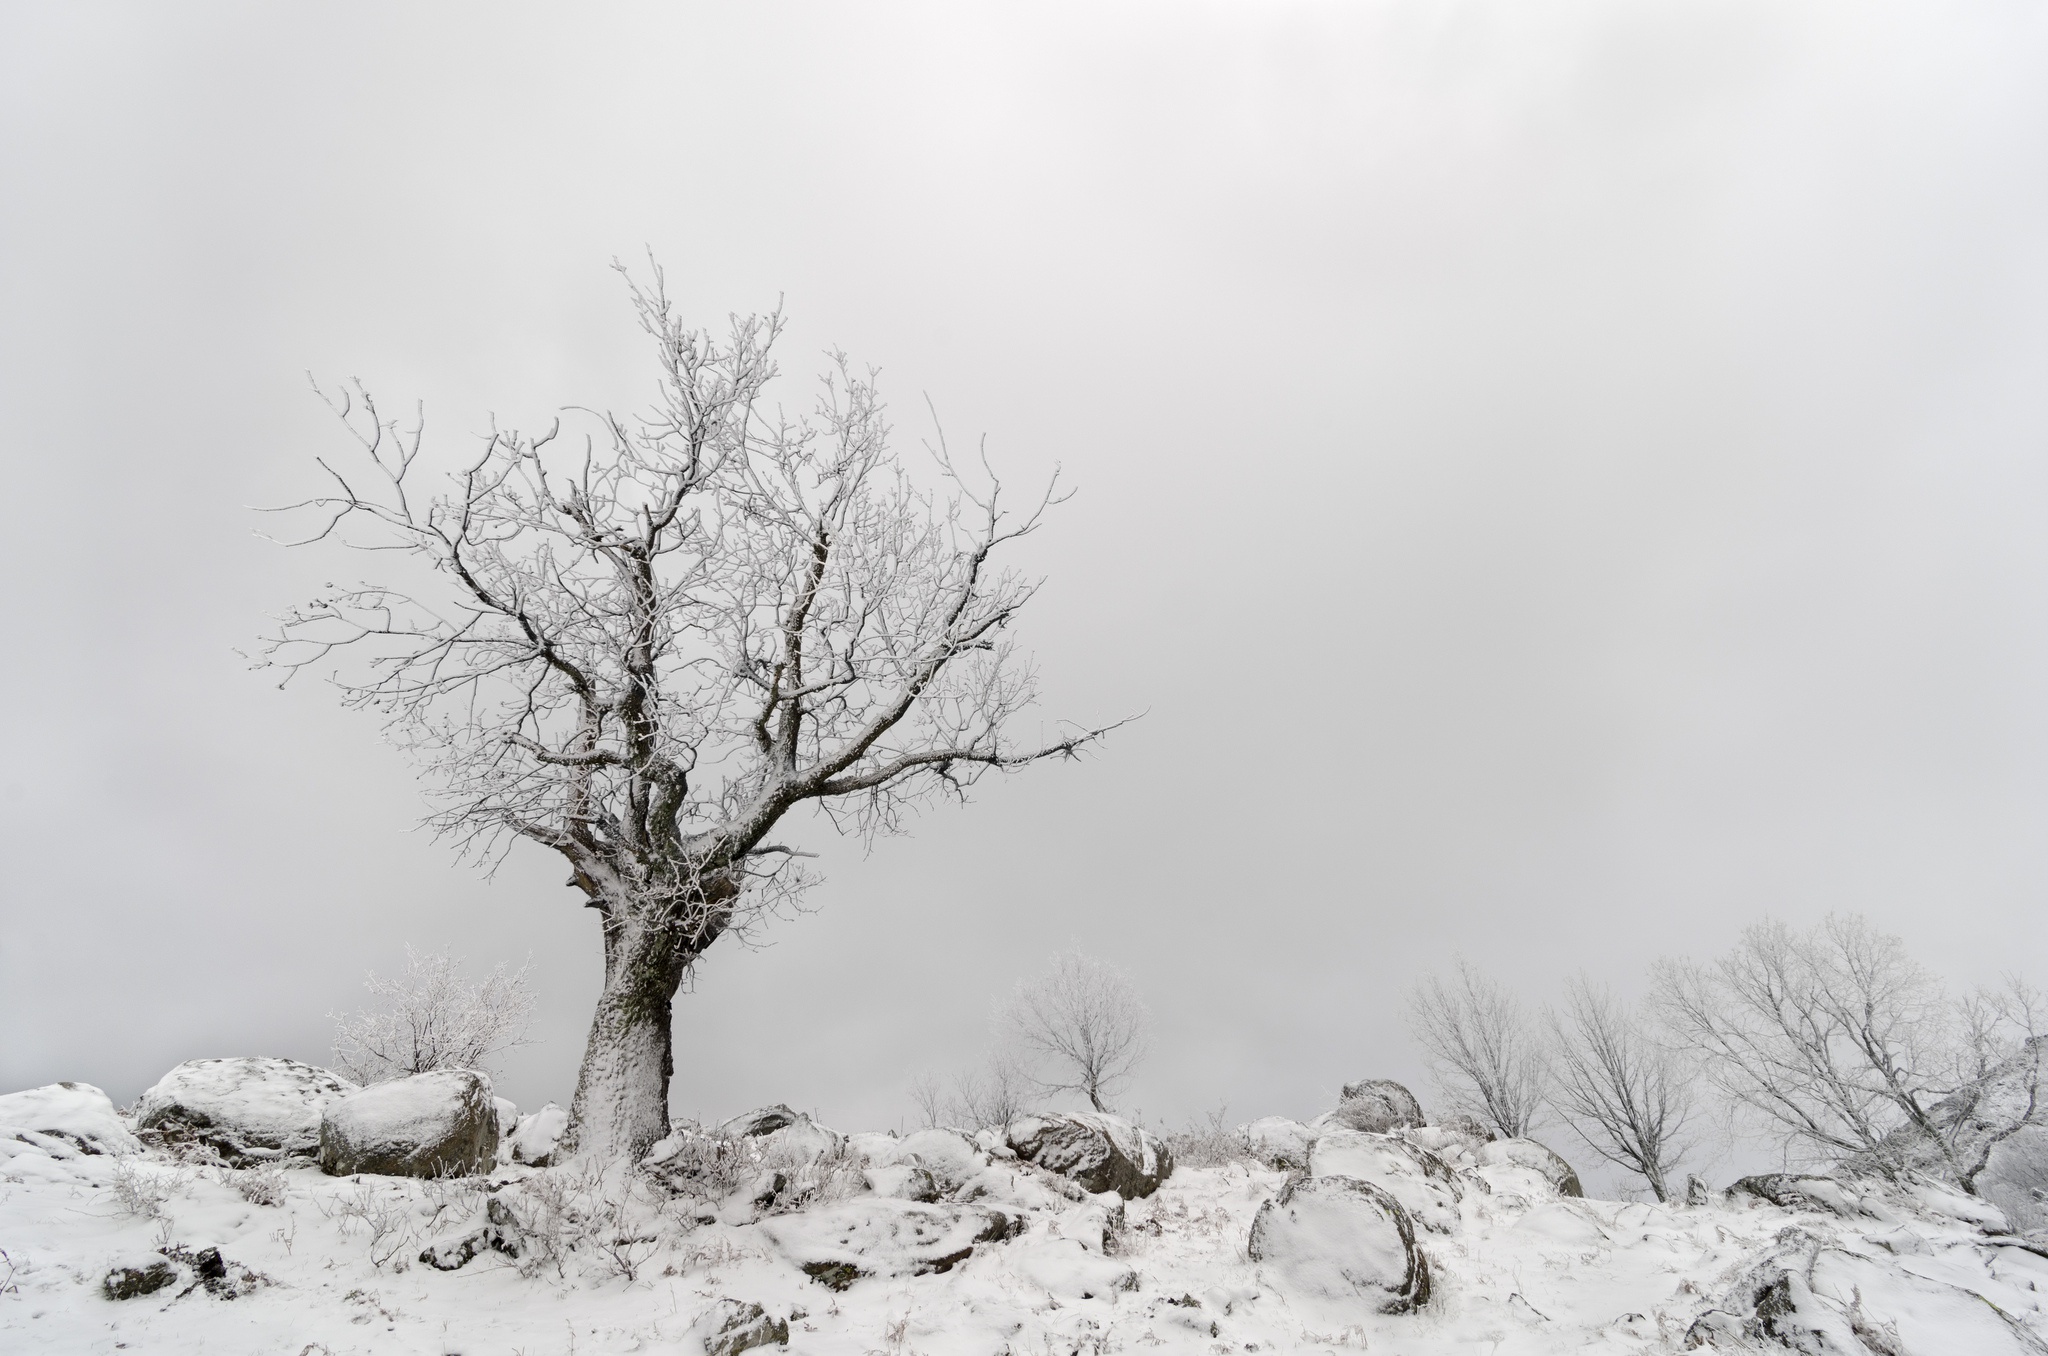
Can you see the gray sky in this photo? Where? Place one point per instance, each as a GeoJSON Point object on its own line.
{"type": "Point", "coordinates": [1564, 481]}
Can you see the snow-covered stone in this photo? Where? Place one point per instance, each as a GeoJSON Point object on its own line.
{"type": "Point", "coordinates": [534, 1139]}
{"type": "Point", "coordinates": [1375, 1105]}
{"type": "Point", "coordinates": [438, 1124]}
{"type": "Point", "coordinates": [837, 1245]}
{"type": "Point", "coordinates": [1099, 1152]}
{"type": "Point", "coordinates": [1342, 1241]}
{"type": "Point", "coordinates": [1457, 1142]}
{"type": "Point", "coordinates": [1066, 1268]}
{"type": "Point", "coordinates": [1424, 1185]}
{"type": "Point", "coordinates": [952, 1158]}
{"type": "Point", "coordinates": [1800, 1191]}
{"type": "Point", "coordinates": [247, 1110]}
{"type": "Point", "coordinates": [730, 1327]}
{"type": "Point", "coordinates": [78, 1117]}
{"type": "Point", "coordinates": [1278, 1141]}
{"type": "Point", "coordinates": [1524, 1159]}
{"type": "Point", "coordinates": [143, 1274]}
{"type": "Point", "coordinates": [2015, 1177]}
{"type": "Point", "coordinates": [766, 1120]}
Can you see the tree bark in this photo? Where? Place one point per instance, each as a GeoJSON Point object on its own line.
{"type": "Point", "coordinates": [621, 1105]}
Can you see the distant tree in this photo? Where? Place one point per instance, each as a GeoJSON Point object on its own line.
{"type": "Point", "coordinates": [1084, 1018]}
{"type": "Point", "coordinates": [993, 1095]}
{"type": "Point", "coordinates": [1615, 1085]}
{"type": "Point", "coordinates": [429, 1019]}
{"type": "Point", "coordinates": [1838, 1041]}
{"type": "Point", "coordinates": [1484, 1053]}
{"type": "Point", "coordinates": [642, 649]}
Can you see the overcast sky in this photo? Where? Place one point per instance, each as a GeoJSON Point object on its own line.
{"type": "Point", "coordinates": [1563, 481]}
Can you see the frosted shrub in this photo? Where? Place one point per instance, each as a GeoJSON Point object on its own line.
{"type": "Point", "coordinates": [140, 1190]}
{"type": "Point", "coordinates": [1209, 1143]}
{"type": "Point", "coordinates": [431, 1020]}
{"type": "Point", "coordinates": [258, 1186]}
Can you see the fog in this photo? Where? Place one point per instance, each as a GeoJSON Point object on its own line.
{"type": "Point", "coordinates": [1560, 483]}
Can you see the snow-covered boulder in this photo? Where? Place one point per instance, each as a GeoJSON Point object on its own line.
{"type": "Point", "coordinates": [247, 1110]}
{"type": "Point", "coordinates": [763, 1121]}
{"type": "Point", "coordinates": [731, 1326]}
{"type": "Point", "coordinates": [1375, 1105]}
{"type": "Point", "coordinates": [1457, 1142]}
{"type": "Point", "coordinates": [1799, 1191]}
{"type": "Point", "coordinates": [438, 1124]}
{"type": "Point", "coordinates": [66, 1118]}
{"type": "Point", "coordinates": [142, 1274]}
{"type": "Point", "coordinates": [952, 1158]}
{"type": "Point", "coordinates": [534, 1139]}
{"type": "Point", "coordinates": [1066, 1268]}
{"type": "Point", "coordinates": [1281, 1142]}
{"type": "Point", "coordinates": [1339, 1240]}
{"type": "Point", "coordinates": [1423, 1183]}
{"type": "Point", "coordinates": [1524, 1163]}
{"type": "Point", "coordinates": [837, 1245]}
{"type": "Point", "coordinates": [1100, 1153]}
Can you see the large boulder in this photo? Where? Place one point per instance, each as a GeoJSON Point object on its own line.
{"type": "Point", "coordinates": [1098, 1152]}
{"type": "Point", "coordinates": [534, 1138]}
{"type": "Point", "coordinates": [1377, 1105]}
{"type": "Point", "coordinates": [837, 1245]}
{"type": "Point", "coordinates": [1423, 1183]}
{"type": "Point", "coordinates": [1340, 1240]}
{"type": "Point", "coordinates": [438, 1124]}
{"type": "Point", "coordinates": [1278, 1141]}
{"type": "Point", "coordinates": [764, 1121]}
{"type": "Point", "coordinates": [65, 1119]}
{"type": "Point", "coordinates": [246, 1110]}
{"type": "Point", "coordinates": [1529, 1160]}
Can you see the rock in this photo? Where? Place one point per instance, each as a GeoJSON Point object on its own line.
{"type": "Point", "coordinates": [1278, 1141]}
{"type": "Point", "coordinates": [535, 1137]}
{"type": "Point", "coordinates": [1799, 1191]}
{"type": "Point", "coordinates": [765, 1121]}
{"type": "Point", "coordinates": [1376, 1106]}
{"type": "Point", "coordinates": [77, 1115]}
{"type": "Point", "coordinates": [839, 1244]}
{"type": "Point", "coordinates": [1337, 1239]}
{"type": "Point", "coordinates": [1457, 1144]}
{"type": "Point", "coordinates": [246, 1110]}
{"type": "Point", "coordinates": [1531, 1157]}
{"type": "Point", "coordinates": [1423, 1183]}
{"type": "Point", "coordinates": [729, 1327]}
{"type": "Point", "coordinates": [1697, 1192]}
{"type": "Point", "coordinates": [438, 1124]}
{"type": "Point", "coordinates": [1066, 1268]}
{"type": "Point", "coordinates": [903, 1181]}
{"type": "Point", "coordinates": [953, 1159]}
{"type": "Point", "coordinates": [1100, 1153]}
{"type": "Point", "coordinates": [140, 1276]}
{"type": "Point", "coordinates": [1468, 1127]}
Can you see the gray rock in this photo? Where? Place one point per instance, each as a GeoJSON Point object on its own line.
{"type": "Point", "coordinates": [1377, 1105]}
{"type": "Point", "coordinates": [142, 1276]}
{"type": "Point", "coordinates": [439, 1124]}
{"type": "Point", "coordinates": [729, 1327]}
{"type": "Point", "coordinates": [1100, 1153]}
{"type": "Point", "coordinates": [1537, 1158]}
{"type": "Point", "coordinates": [1799, 1191]}
{"type": "Point", "coordinates": [1341, 1240]}
{"type": "Point", "coordinates": [765, 1121]}
{"type": "Point", "coordinates": [248, 1111]}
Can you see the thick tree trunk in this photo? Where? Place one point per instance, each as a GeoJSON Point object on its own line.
{"type": "Point", "coordinates": [621, 1105]}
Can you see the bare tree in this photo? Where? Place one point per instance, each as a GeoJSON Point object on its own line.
{"type": "Point", "coordinates": [992, 1095]}
{"type": "Point", "coordinates": [928, 1095]}
{"type": "Point", "coordinates": [1084, 1016]}
{"type": "Point", "coordinates": [643, 648]}
{"type": "Point", "coordinates": [1616, 1086]}
{"type": "Point", "coordinates": [1483, 1051]}
{"type": "Point", "coordinates": [1837, 1040]}
{"type": "Point", "coordinates": [430, 1019]}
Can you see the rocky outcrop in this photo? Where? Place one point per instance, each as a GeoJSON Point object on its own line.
{"type": "Point", "coordinates": [534, 1139]}
{"type": "Point", "coordinates": [1422, 1182]}
{"type": "Point", "coordinates": [1376, 1105]}
{"type": "Point", "coordinates": [1529, 1156]}
{"type": "Point", "coordinates": [64, 1119]}
{"type": "Point", "coordinates": [1100, 1153]}
{"type": "Point", "coordinates": [439, 1124]}
{"type": "Point", "coordinates": [246, 1110]}
{"type": "Point", "coordinates": [1341, 1240]}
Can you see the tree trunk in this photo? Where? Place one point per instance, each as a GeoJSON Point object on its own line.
{"type": "Point", "coordinates": [621, 1105]}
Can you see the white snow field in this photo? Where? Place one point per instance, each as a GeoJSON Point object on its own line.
{"type": "Point", "coordinates": [803, 1240]}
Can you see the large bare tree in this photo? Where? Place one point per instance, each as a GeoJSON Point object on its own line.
{"type": "Point", "coordinates": [1623, 1092]}
{"type": "Point", "coordinates": [1483, 1051]}
{"type": "Point", "coordinates": [643, 647]}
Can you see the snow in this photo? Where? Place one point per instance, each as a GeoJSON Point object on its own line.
{"type": "Point", "coordinates": [64, 1118]}
{"type": "Point", "coordinates": [1006, 1261]}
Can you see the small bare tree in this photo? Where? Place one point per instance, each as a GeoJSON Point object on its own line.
{"type": "Point", "coordinates": [429, 1019]}
{"type": "Point", "coordinates": [1840, 1043]}
{"type": "Point", "coordinates": [1085, 1017]}
{"type": "Point", "coordinates": [1483, 1052]}
{"type": "Point", "coordinates": [1617, 1087]}
{"type": "Point", "coordinates": [992, 1095]}
{"type": "Point", "coordinates": [644, 648]}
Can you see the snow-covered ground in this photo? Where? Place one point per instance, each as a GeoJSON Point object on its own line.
{"type": "Point", "coordinates": [315, 1264]}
